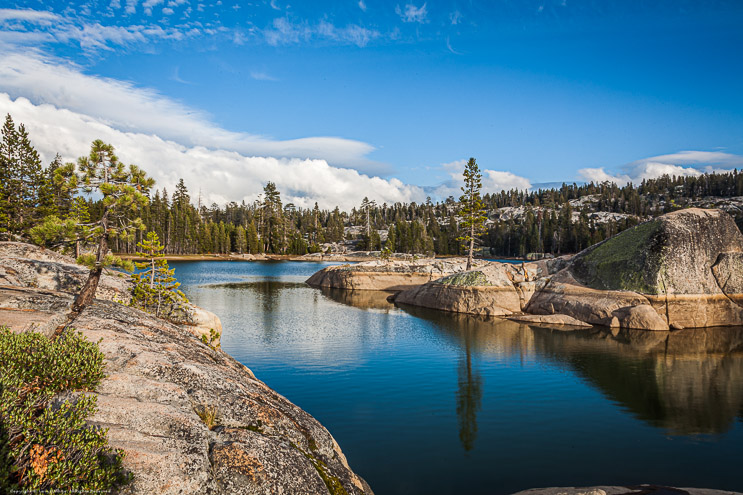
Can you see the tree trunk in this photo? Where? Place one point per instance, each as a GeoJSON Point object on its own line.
{"type": "Point", "coordinates": [472, 248]}
{"type": "Point", "coordinates": [87, 293]}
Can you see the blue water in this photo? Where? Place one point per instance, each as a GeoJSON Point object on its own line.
{"type": "Point", "coordinates": [426, 402]}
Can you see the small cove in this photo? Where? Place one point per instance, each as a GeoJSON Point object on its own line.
{"type": "Point", "coordinates": [425, 402]}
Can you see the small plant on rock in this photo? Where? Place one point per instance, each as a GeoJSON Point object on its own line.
{"type": "Point", "coordinates": [45, 442]}
{"type": "Point", "coordinates": [208, 414]}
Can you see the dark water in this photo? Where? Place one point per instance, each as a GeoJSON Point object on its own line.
{"type": "Point", "coordinates": [425, 402]}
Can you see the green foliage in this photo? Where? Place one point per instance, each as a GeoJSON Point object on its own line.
{"type": "Point", "coordinates": [386, 254]}
{"type": "Point", "coordinates": [21, 177]}
{"type": "Point", "coordinates": [621, 263]}
{"type": "Point", "coordinates": [45, 443]}
{"type": "Point", "coordinates": [472, 210]}
{"type": "Point", "coordinates": [208, 414]}
{"type": "Point", "coordinates": [211, 339]}
{"type": "Point", "coordinates": [155, 287]}
{"type": "Point", "coordinates": [110, 260]}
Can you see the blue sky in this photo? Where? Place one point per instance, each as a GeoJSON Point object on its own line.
{"type": "Point", "coordinates": [332, 100]}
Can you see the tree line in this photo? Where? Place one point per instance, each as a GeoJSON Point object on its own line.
{"type": "Point", "coordinates": [547, 222]}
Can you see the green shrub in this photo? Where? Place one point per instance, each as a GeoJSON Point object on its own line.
{"type": "Point", "coordinates": [45, 443]}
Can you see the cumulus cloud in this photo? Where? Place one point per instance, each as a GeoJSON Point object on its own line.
{"type": "Point", "coordinates": [683, 163]}
{"type": "Point", "coordinates": [411, 13]}
{"type": "Point", "coordinates": [221, 175]}
{"type": "Point", "coordinates": [493, 181]}
{"type": "Point", "coordinates": [128, 108]}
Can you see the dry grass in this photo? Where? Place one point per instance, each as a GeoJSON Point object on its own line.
{"type": "Point", "coordinates": [208, 414]}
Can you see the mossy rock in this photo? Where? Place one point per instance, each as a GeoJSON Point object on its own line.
{"type": "Point", "coordinates": [631, 261]}
{"type": "Point", "coordinates": [466, 279]}
{"type": "Point", "coordinates": [673, 253]}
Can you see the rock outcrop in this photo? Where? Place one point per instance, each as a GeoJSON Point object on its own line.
{"type": "Point", "coordinates": [679, 270]}
{"type": "Point", "coordinates": [25, 265]}
{"type": "Point", "coordinates": [392, 275]}
{"type": "Point", "coordinates": [683, 269]}
{"type": "Point", "coordinates": [496, 289]}
{"type": "Point", "coordinates": [160, 381]}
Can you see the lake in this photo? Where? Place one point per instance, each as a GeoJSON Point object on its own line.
{"type": "Point", "coordinates": [427, 402]}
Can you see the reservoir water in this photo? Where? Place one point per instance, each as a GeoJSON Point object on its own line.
{"type": "Point", "coordinates": [426, 402]}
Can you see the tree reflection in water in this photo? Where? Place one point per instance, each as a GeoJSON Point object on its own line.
{"type": "Point", "coordinates": [469, 395]}
{"type": "Point", "coordinates": [686, 382]}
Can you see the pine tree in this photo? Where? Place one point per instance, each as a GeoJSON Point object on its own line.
{"type": "Point", "coordinates": [21, 177]}
{"type": "Point", "coordinates": [124, 194]}
{"type": "Point", "coordinates": [473, 210]}
{"type": "Point", "coordinates": [155, 287]}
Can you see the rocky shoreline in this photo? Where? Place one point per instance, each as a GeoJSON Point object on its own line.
{"type": "Point", "coordinates": [681, 270]}
{"type": "Point", "coordinates": [160, 377]}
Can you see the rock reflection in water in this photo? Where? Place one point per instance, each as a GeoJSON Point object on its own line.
{"type": "Point", "coordinates": [687, 382]}
{"type": "Point", "coordinates": [362, 299]}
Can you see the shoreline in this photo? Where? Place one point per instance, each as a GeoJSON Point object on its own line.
{"type": "Point", "coordinates": [285, 257]}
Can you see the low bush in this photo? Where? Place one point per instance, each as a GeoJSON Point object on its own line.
{"type": "Point", "coordinates": [45, 442]}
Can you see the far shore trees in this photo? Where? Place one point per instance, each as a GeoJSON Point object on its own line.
{"type": "Point", "coordinates": [472, 211]}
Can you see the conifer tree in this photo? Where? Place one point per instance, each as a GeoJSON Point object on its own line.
{"type": "Point", "coordinates": [21, 177]}
{"type": "Point", "coordinates": [155, 287]}
{"type": "Point", "coordinates": [472, 210]}
{"type": "Point", "coordinates": [124, 192]}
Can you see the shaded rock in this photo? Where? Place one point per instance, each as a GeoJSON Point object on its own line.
{"type": "Point", "coordinates": [387, 275]}
{"type": "Point", "coordinates": [642, 316]}
{"type": "Point", "coordinates": [551, 320]}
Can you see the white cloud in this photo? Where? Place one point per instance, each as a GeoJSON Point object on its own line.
{"type": "Point", "coordinates": [598, 175]}
{"type": "Point", "coordinates": [45, 27]}
{"type": "Point", "coordinates": [221, 175]}
{"type": "Point", "coordinates": [131, 6]}
{"type": "Point", "coordinates": [683, 163]}
{"type": "Point", "coordinates": [33, 16]}
{"type": "Point", "coordinates": [455, 17]}
{"type": "Point", "coordinates": [284, 32]}
{"type": "Point", "coordinates": [128, 108]}
{"type": "Point", "coordinates": [362, 5]}
{"type": "Point", "coordinates": [493, 181]}
{"type": "Point", "coordinates": [412, 13]}
{"type": "Point", "coordinates": [451, 49]}
{"type": "Point", "coordinates": [148, 4]}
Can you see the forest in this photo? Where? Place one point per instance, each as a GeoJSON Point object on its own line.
{"type": "Point", "coordinates": [556, 221]}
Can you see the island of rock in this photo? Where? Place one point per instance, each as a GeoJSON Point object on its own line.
{"type": "Point", "coordinates": [160, 376]}
{"type": "Point", "coordinates": [683, 269]}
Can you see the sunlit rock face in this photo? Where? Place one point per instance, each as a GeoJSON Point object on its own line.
{"type": "Point", "coordinates": [391, 275]}
{"type": "Point", "coordinates": [680, 270]}
{"type": "Point", "coordinates": [24, 265]}
{"type": "Point", "coordinates": [160, 377]}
